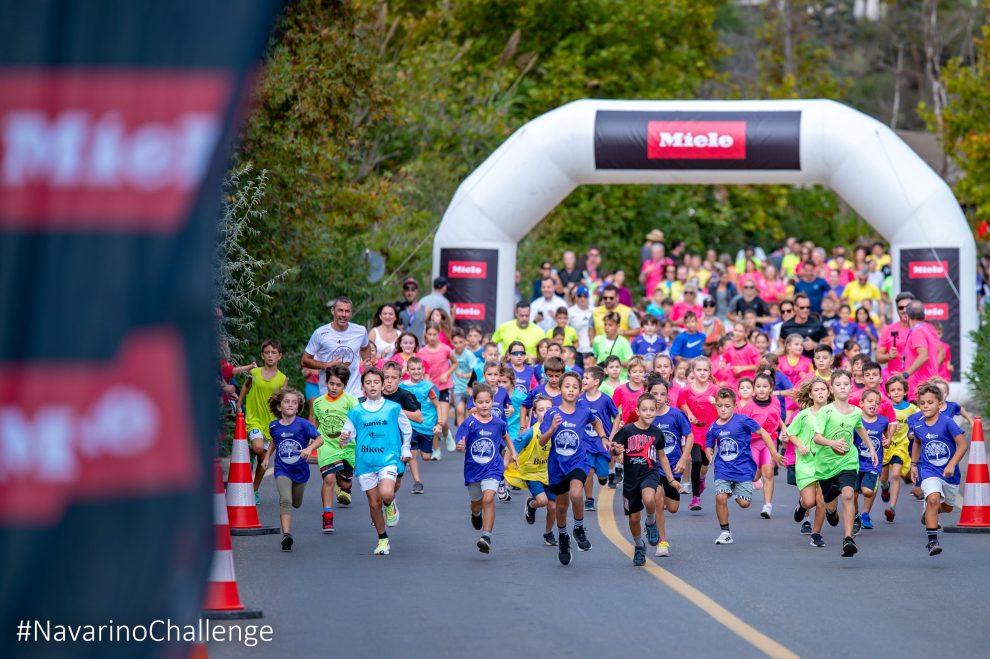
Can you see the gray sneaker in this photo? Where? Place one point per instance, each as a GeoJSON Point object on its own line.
{"type": "Point", "coordinates": [417, 488]}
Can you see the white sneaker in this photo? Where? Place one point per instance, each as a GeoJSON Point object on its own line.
{"type": "Point", "coordinates": [687, 487]}
{"type": "Point", "coordinates": [767, 509]}
{"type": "Point", "coordinates": [663, 549]}
{"type": "Point", "coordinates": [436, 456]}
{"type": "Point", "coordinates": [451, 444]}
{"type": "Point", "coordinates": [724, 538]}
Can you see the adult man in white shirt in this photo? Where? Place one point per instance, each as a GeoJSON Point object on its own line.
{"type": "Point", "coordinates": [338, 342]}
{"type": "Point", "coordinates": [542, 309]}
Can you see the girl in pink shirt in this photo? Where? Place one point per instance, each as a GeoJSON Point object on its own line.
{"type": "Point", "coordinates": [440, 366]}
{"type": "Point", "coordinates": [794, 364]}
{"type": "Point", "coordinates": [740, 355]}
{"type": "Point", "coordinates": [697, 401]}
{"type": "Point", "coordinates": [665, 367]}
{"type": "Point", "coordinates": [765, 410]}
{"type": "Point", "coordinates": [626, 396]}
{"type": "Point", "coordinates": [408, 347]}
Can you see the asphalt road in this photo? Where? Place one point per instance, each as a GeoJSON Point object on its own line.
{"type": "Point", "coordinates": [769, 593]}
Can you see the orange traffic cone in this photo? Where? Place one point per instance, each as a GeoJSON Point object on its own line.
{"type": "Point", "coordinates": [975, 515]}
{"type": "Point", "coordinates": [222, 599]}
{"type": "Point", "coordinates": [241, 511]}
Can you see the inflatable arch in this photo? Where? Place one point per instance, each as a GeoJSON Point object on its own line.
{"type": "Point", "coordinates": [800, 142]}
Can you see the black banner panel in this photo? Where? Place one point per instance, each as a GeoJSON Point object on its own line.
{"type": "Point", "coordinates": [697, 140]}
{"type": "Point", "coordinates": [116, 120]}
{"type": "Point", "coordinates": [473, 289]}
{"type": "Point", "coordinates": [932, 274]}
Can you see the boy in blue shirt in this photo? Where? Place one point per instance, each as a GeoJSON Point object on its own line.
{"type": "Point", "coordinates": [938, 446]}
{"type": "Point", "coordinates": [649, 343]}
{"type": "Point", "coordinates": [605, 410]}
{"type": "Point", "coordinates": [735, 468]}
{"type": "Point", "coordinates": [423, 431]}
{"type": "Point", "coordinates": [690, 343]}
{"type": "Point", "coordinates": [878, 430]}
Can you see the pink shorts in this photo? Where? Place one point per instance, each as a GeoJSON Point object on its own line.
{"type": "Point", "coordinates": [761, 453]}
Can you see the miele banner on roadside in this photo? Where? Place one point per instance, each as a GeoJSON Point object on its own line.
{"type": "Point", "coordinates": [472, 285]}
{"type": "Point", "coordinates": [932, 274]}
{"type": "Point", "coordinates": [115, 126]}
{"type": "Point", "coordinates": [697, 140]}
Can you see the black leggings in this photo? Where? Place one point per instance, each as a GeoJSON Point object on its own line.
{"type": "Point", "coordinates": [698, 460]}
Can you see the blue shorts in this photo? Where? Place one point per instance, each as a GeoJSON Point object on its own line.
{"type": "Point", "coordinates": [536, 488]}
{"type": "Point", "coordinates": [312, 390]}
{"type": "Point", "coordinates": [422, 443]}
{"type": "Point", "coordinates": [598, 462]}
{"type": "Point", "coordinates": [867, 479]}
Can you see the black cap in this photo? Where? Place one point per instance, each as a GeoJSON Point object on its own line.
{"type": "Point", "coordinates": [440, 282]}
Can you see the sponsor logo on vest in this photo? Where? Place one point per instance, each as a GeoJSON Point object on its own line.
{"type": "Point", "coordinates": [105, 150]}
{"type": "Point", "coordinates": [696, 140]}
{"type": "Point", "coordinates": [936, 311]}
{"type": "Point", "coordinates": [467, 311]}
{"type": "Point", "coordinates": [467, 270]}
{"type": "Point", "coordinates": [928, 269]}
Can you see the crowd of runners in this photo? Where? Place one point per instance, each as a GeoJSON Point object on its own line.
{"type": "Point", "coordinates": [798, 370]}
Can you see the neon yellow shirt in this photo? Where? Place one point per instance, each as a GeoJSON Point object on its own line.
{"type": "Point", "coordinates": [256, 412]}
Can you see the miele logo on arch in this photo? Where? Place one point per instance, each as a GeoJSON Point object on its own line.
{"type": "Point", "coordinates": [723, 140]}
{"type": "Point", "coordinates": [467, 270]}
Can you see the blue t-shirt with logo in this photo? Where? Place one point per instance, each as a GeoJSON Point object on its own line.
{"type": "Point", "coordinates": [938, 445]}
{"type": "Point", "coordinates": [875, 429]}
{"type": "Point", "coordinates": [482, 444]}
{"type": "Point", "coordinates": [540, 389]}
{"type": "Point", "coordinates": [568, 449]}
{"type": "Point", "coordinates": [688, 345]}
{"type": "Point", "coordinates": [952, 410]}
{"type": "Point", "coordinates": [605, 410]}
{"type": "Point", "coordinates": [674, 425]}
{"type": "Point", "coordinates": [524, 378]}
{"type": "Point", "coordinates": [499, 401]}
{"type": "Point", "coordinates": [731, 440]}
{"type": "Point", "coordinates": [648, 346]}
{"type": "Point", "coordinates": [421, 390]}
{"type": "Point", "coordinates": [289, 440]}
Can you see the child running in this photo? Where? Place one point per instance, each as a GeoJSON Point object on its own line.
{"type": "Point", "coordinates": [731, 435]}
{"type": "Point", "coordinates": [480, 438]}
{"type": "Point", "coordinates": [878, 428]}
{"type": "Point", "coordinates": [605, 410]}
{"type": "Point", "coordinates": [836, 464]}
{"type": "Point", "coordinates": [697, 401]}
{"type": "Point", "coordinates": [678, 441]}
{"type": "Point", "coordinates": [765, 410]}
{"type": "Point", "coordinates": [293, 440]}
{"type": "Point", "coordinates": [336, 463]}
{"type": "Point", "coordinates": [897, 457]}
{"type": "Point", "coordinates": [381, 434]}
{"type": "Point", "coordinates": [811, 397]}
{"type": "Point", "coordinates": [531, 472]}
{"type": "Point", "coordinates": [426, 431]}
{"type": "Point", "coordinates": [440, 364]}
{"type": "Point", "coordinates": [255, 396]}
{"type": "Point", "coordinates": [562, 428]}
{"type": "Point", "coordinates": [641, 446]}
{"type": "Point", "coordinates": [938, 446]}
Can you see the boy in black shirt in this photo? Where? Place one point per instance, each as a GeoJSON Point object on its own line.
{"type": "Point", "coordinates": [406, 400]}
{"type": "Point", "coordinates": [641, 446]}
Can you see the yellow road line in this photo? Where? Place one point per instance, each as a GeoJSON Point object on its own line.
{"type": "Point", "coordinates": [759, 640]}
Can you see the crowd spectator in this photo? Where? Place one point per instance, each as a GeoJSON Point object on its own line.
{"type": "Point", "coordinates": [438, 298]}
{"type": "Point", "coordinates": [812, 285]}
{"type": "Point", "coordinates": [805, 324]}
{"type": "Point", "coordinates": [412, 314]}
{"type": "Point", "coordinates": [519, 329]}
{"type": "Point", "coordinates": [544, 307]}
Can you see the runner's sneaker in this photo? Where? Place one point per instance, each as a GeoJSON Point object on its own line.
{"type": "Point", "coordinates": [663, 549]}
{"type": "Point", "coordinates": [724, 538]}
{"type": "Point", "coordinates": [286, 542]}
{"type": "Point", "coordinates": [687, 487]}
{"type": "Point", "coordinates": [767, 510]}
{"type": "Point", "coordinates": [257, 498]}
{"type": "Point", "coordinates": [391, 514]}
{"type": "Point", "coordinates": [806, 528]}
{"type": "Point", "coordinates": [817, 540]}
{"type": "Point", "coordinates": [885, 493]}
{"type": "Point", "coordinates": [618, 475]}
{"type": "Point", "coordinates": [589, 504]}
{"type": "Point", "coordinates": [476, 521]}
{"type": "Point", "coordinates": [564, 549]}
{"type": "Point", "coordinates": [849, 547]}
{"type": "Point", "coordinates": [639, 556]}
{"type": "Point", "coordinates": [799, 514]}
{"type": "Point", "coordinates": [343, 497]}
{"type": "Point", "coordinates": [549, 540]}
{"type": "Point", "coordinates": [611, 481]}
{"type": "Point", "coordinates": [503, 492]}
{"type": "Point", "coordinates": [832, 517]}
{"type": "Point", "coordinates": [451, 444]}
{"type": "Point", "coordinates": [857, 525]}
{"type": "Point", "coordinates": [582, 539]}
{"type": "Point", "coordinates": [529, 513]}
{"type": "Point", "coordinates": [934, 549]}
{"type": "Point", "coordinates": [866, 521]}
{"type": "Point", "coordinates": [435, 456]}
{"type": "Point", "coordinates": [652, 534]}
{"type": "Point", "coordinates": [328, 522]}
{"type": "Point", "coordinates": [382, 548]}
{"type": "Point", "coordinates": [417, 488]}
{"type": "Point", "coordinates": [695, 504]}
{"type": "Point", "coordinates": [889, 514]}
{"type": "Point", "coordinates": [485, 544]}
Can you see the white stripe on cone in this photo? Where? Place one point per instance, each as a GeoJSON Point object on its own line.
{"type": "Point", "coordinates": [220, 510]}
{"type": "Point", "coordinates": [240, 495]}
{"type": "Point", "coordinates": [239, 451]}
{"type": "Point", "coordinates": [976, 494]}
{"type": "Point", "coordinates": [222, 568]}
{"type": "Point", "coordinates": [978, 453]}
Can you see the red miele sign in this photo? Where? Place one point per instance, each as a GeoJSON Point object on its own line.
{"type": "Point", "coordinates": [936, 311]}
{"type": "Point", "coordinates": [699, 140]}
{"type": "Point", "coordinates": [928, 269]}
{"type": "Point", "coordinates": [467, 269]}
{"type": "Point", "coordinates": [93, 431]}
{"type": "Point", "coordinates": [466, 311]}
{"type": "Point", "coordinates": [105, 149]}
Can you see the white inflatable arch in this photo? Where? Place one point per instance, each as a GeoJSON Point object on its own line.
{"type": "Point", "coordinates": [799, 142]}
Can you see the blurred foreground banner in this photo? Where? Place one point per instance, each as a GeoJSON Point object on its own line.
{"type": "Point", "coordinates": [116, 119]}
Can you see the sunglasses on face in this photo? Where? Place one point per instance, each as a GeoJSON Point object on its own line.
{"type": "Point", "coordinates": [517, 353]}
{"type": "Point", "coordinates": [608, 297]}
{"type": "Point", "coordinates": [749, 287]}
{"type": "Point", "coordinates": [689, 292]}
{"type": "Point", "coordinates": [410, 288]}
{"type": "Point", "coordinates": [787, 310]}
{"type": "Point", "coordinates": [582, 295]}
{"type": "Point", "coordinates": [804, 308]}
{"type": "Point", "coordinates": [902, 309]}
{"type": "Point", "coordinates": [709, 304]}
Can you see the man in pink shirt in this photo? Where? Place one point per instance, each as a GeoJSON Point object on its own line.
{"type": "Point", "coordinates": [893, 337]}
{"type": "Point", "coordinates": [921, 356]}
